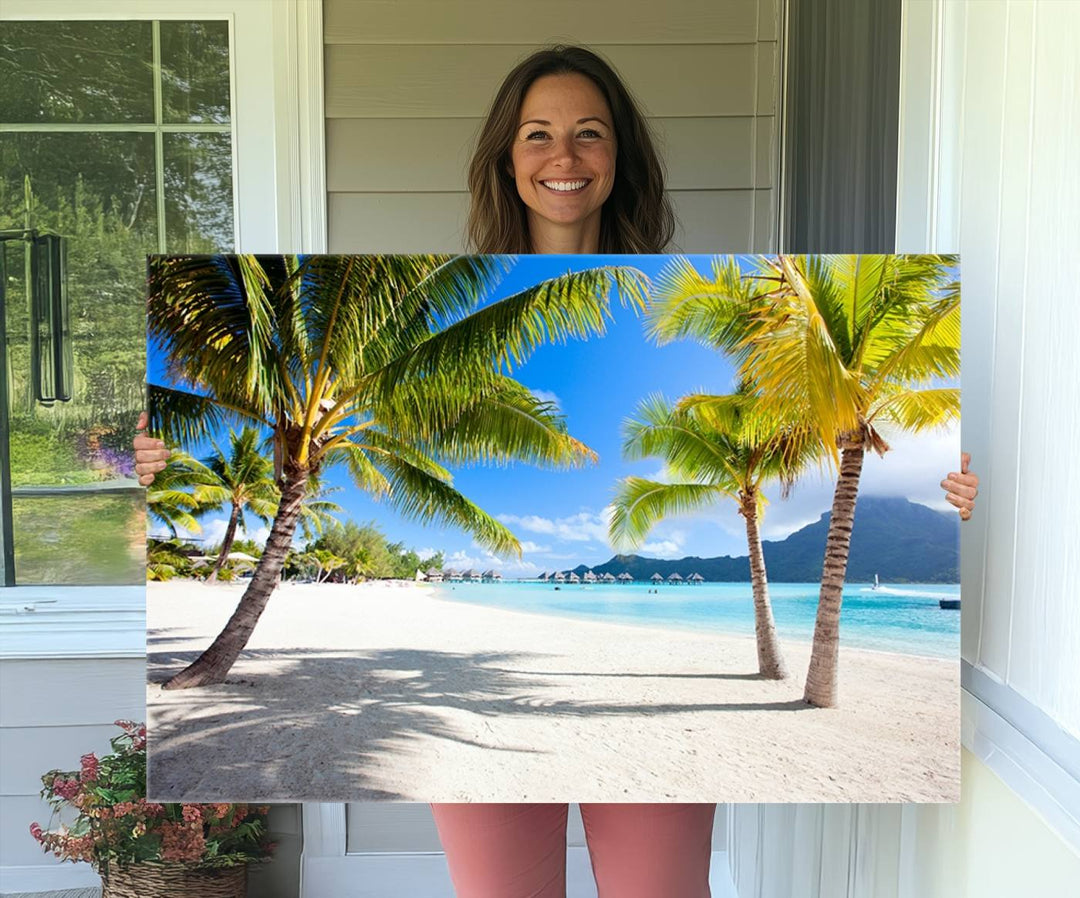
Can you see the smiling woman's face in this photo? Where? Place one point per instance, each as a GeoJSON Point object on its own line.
{"type": "Point", "coordinates": [563, 159]}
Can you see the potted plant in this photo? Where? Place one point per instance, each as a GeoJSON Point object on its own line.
{"type": "Point", "coordinates": [142, 848]}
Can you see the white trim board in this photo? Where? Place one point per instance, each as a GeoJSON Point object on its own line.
{"type": "Point", "coordinates": [38, 622]}
{"type": "Point", "coordinates": [1028, 768]}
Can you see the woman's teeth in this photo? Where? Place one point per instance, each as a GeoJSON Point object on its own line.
{"type": "Point", "coordinates": [564, 186]}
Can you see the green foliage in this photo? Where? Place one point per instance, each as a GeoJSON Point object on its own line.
{"type": "Point", "coordinates": [116, 825]}
{"type": "Point", "coordinates": [367, 554]}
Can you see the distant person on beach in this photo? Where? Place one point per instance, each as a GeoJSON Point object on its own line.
{"type": "Point", "coordinates": [565, 164]}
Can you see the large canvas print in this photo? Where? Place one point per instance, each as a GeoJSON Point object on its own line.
{"type": "Point", "coordinates": [554, 528]}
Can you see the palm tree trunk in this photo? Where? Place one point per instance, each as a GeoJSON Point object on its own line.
{"type": "Point", "coordinates": [213, 665]}
{"type": "Point", "coordinates": [770, 658]}
{"type": "Point", "coordinates": [822, 674]}
{"type": "Point", "coordinates": [226, 544]}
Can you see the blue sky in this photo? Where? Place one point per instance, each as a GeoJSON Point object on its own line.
{"type": "Point", "coordinates": [559, 516]}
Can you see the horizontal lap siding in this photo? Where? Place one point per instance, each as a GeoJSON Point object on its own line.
{"type": "Point", "coordinates": [408, 83]}
{"type": "Point", "coordinates": [51, 713]}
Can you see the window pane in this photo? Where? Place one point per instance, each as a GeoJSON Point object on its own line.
{"type": "Point", "coordinates": [198, 193]}
{"type": "Point", "coordinates": [195, 71]}
{"type": "Point", "coordinates": [97, 190]}
{"type": "Point", "coordinates": [76, 72]}
{"type": "Point", "coordinates": [80, 539]}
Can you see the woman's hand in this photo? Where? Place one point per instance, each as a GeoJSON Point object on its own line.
{"type": "Point", "coordinates": [151, 455]}
{"type": "Point", "coordinates": [961, 487]}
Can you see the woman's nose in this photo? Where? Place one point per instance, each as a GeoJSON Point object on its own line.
{"type": "Point", "coordinates": [564, 151]}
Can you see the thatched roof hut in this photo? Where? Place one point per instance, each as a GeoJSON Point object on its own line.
{"type": "Point", "coordinates": [608, 577]}
{"type": "Point", "coordinates": [625, 577]}
{"type": "Point", "coordinates": [543, 578]}
{"type": "Point", "coordinates": [434, 575]}
{"type": "Point", "coordinates": [657, 578]}
{"type": "Point", "coordinates": [589, 577]}
{"type": "Point", "coordinates": [451, 574]}
{"type": "Point", "coordinates": [559, 577]}
{"type": "Point", "coordinates": [675, 578]}
{"type": "Point", "coordinates": [696, 578]}
{"type": "Point", "coordinates": [574, 578]}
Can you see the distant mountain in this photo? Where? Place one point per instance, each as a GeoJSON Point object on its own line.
{"type": "Point", "coordinates": [898, 540]}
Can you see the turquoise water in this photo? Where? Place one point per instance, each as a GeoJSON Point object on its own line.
{"type": "Point", "coordinates": [903, 618]}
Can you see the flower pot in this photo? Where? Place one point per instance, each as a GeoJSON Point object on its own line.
{"type": "Point", "coordinates": [174, 881]}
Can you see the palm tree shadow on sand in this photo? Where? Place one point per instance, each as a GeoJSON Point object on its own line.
{"type": "Point", "coordinates": [319, 725]}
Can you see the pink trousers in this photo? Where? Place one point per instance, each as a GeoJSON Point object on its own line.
{"type": "Point", "coordinates": [519, 850]}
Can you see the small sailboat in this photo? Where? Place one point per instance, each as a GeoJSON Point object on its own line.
{"type": "Point", "coordinates": [877, 584]}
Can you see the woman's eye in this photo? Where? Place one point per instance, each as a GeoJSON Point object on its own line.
{"type": "Point", "coordinates": [589, 132]}
{"type": "Point", "coordinates": [536, 135]}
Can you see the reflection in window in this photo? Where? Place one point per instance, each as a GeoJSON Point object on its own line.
{"type": "Point", "coordinates": [117, 136]}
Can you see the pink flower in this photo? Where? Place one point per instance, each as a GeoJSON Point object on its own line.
{"type": "Point", "coordinates": [66, 789]}
{"type": "Point", "coordinates": [192, 813]}
{"type": "Point", "coordinates": [36, 832]}
{"type": "Point", "coordinates": [89, 768]}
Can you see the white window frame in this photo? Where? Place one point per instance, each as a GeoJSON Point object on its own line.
{"type": "Point", "coordinates": [277, 132]}
{"type": "Point", "coordinates": [279, 197]}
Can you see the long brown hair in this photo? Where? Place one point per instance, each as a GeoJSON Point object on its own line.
{"type": "Point", "coordinates": [637, 216]}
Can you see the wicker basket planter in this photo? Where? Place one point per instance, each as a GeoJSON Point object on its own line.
{"type": "Point", "coordinates": [160, 880]}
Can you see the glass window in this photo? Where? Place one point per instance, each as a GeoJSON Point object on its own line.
{"type": "Point", "coordinates": [116, 136]}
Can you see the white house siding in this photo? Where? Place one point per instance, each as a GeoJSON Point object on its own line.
{"type": "Point", "coordinates": [408, 82]}
{"type": "Point", "coordinates": [53, 711]}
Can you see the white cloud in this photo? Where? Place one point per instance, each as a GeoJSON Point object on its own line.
{"type": "Point", "coordinates": [664, 549]}
{"type": "Point", "coordinates": [462, 560]}
{"type": "Point", "coordinates": [529, 546]}
{"type": "Point", "coordinates": [581, 527]}
{"type": "Point", "coordinates": [548, 396]}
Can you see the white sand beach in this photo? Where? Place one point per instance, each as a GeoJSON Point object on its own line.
{"type": "Point", "coordinates": [385, 691]}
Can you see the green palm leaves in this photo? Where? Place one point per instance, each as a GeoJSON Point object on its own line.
{"type": "Point", "coordinates": [714, 448]}
{"type": "Point", "coordinates": [393, 366]}
{"type": "Point", "coordinates": [832, 352]}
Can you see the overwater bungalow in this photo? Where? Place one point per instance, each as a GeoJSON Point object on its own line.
{"type": "Point", "coordinates": [625, 577]}
{"type": "Point", "coordinates": [451, 574]}
{"type": "Point", "coordinates": [559, 577]}
{"type": "Point", "coordinates": [434, 575]}
{"type": "Point", "coordinates": [695, 578]}
{"type": "Point", "coordinates": [675, 578]}
{"type": "Point", "coordinates": [543, 578]}
{"type": "Point", "coordinates": [491, 575]}
{"type": "Point", "coordinates": [657, 578]}
{"type": "Point", "coordinates": [589, 577]}
{"type": "Point", "coordinates": [573, 578]}
{"type": "Point", "coordinates": [608, 577]}
{"type": "Point", "coordinates": [472, 575]}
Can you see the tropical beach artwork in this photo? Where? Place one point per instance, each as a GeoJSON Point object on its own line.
{"type": "Point", "coordinates": [554, 528]}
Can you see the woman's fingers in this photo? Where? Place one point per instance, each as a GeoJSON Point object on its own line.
{"type": "Point", "coordinates": [965, 485]}
{"type": "Point", "coordinates": [151, 456]}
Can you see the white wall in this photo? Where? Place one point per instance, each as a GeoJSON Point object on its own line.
{"type": "Point", "coordinates": [990, 123]}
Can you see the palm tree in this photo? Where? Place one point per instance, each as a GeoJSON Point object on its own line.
{"type": "Point", "coordinates": [849, 344]}
{"type": "Point", "coordinates": [177, 496]}
{"type": "Point", "coordinates": [718, 448]}
{"type": "Point", "coordinates": [244, 481]}
{"type": "Point", "coordinates": [391, 365]}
